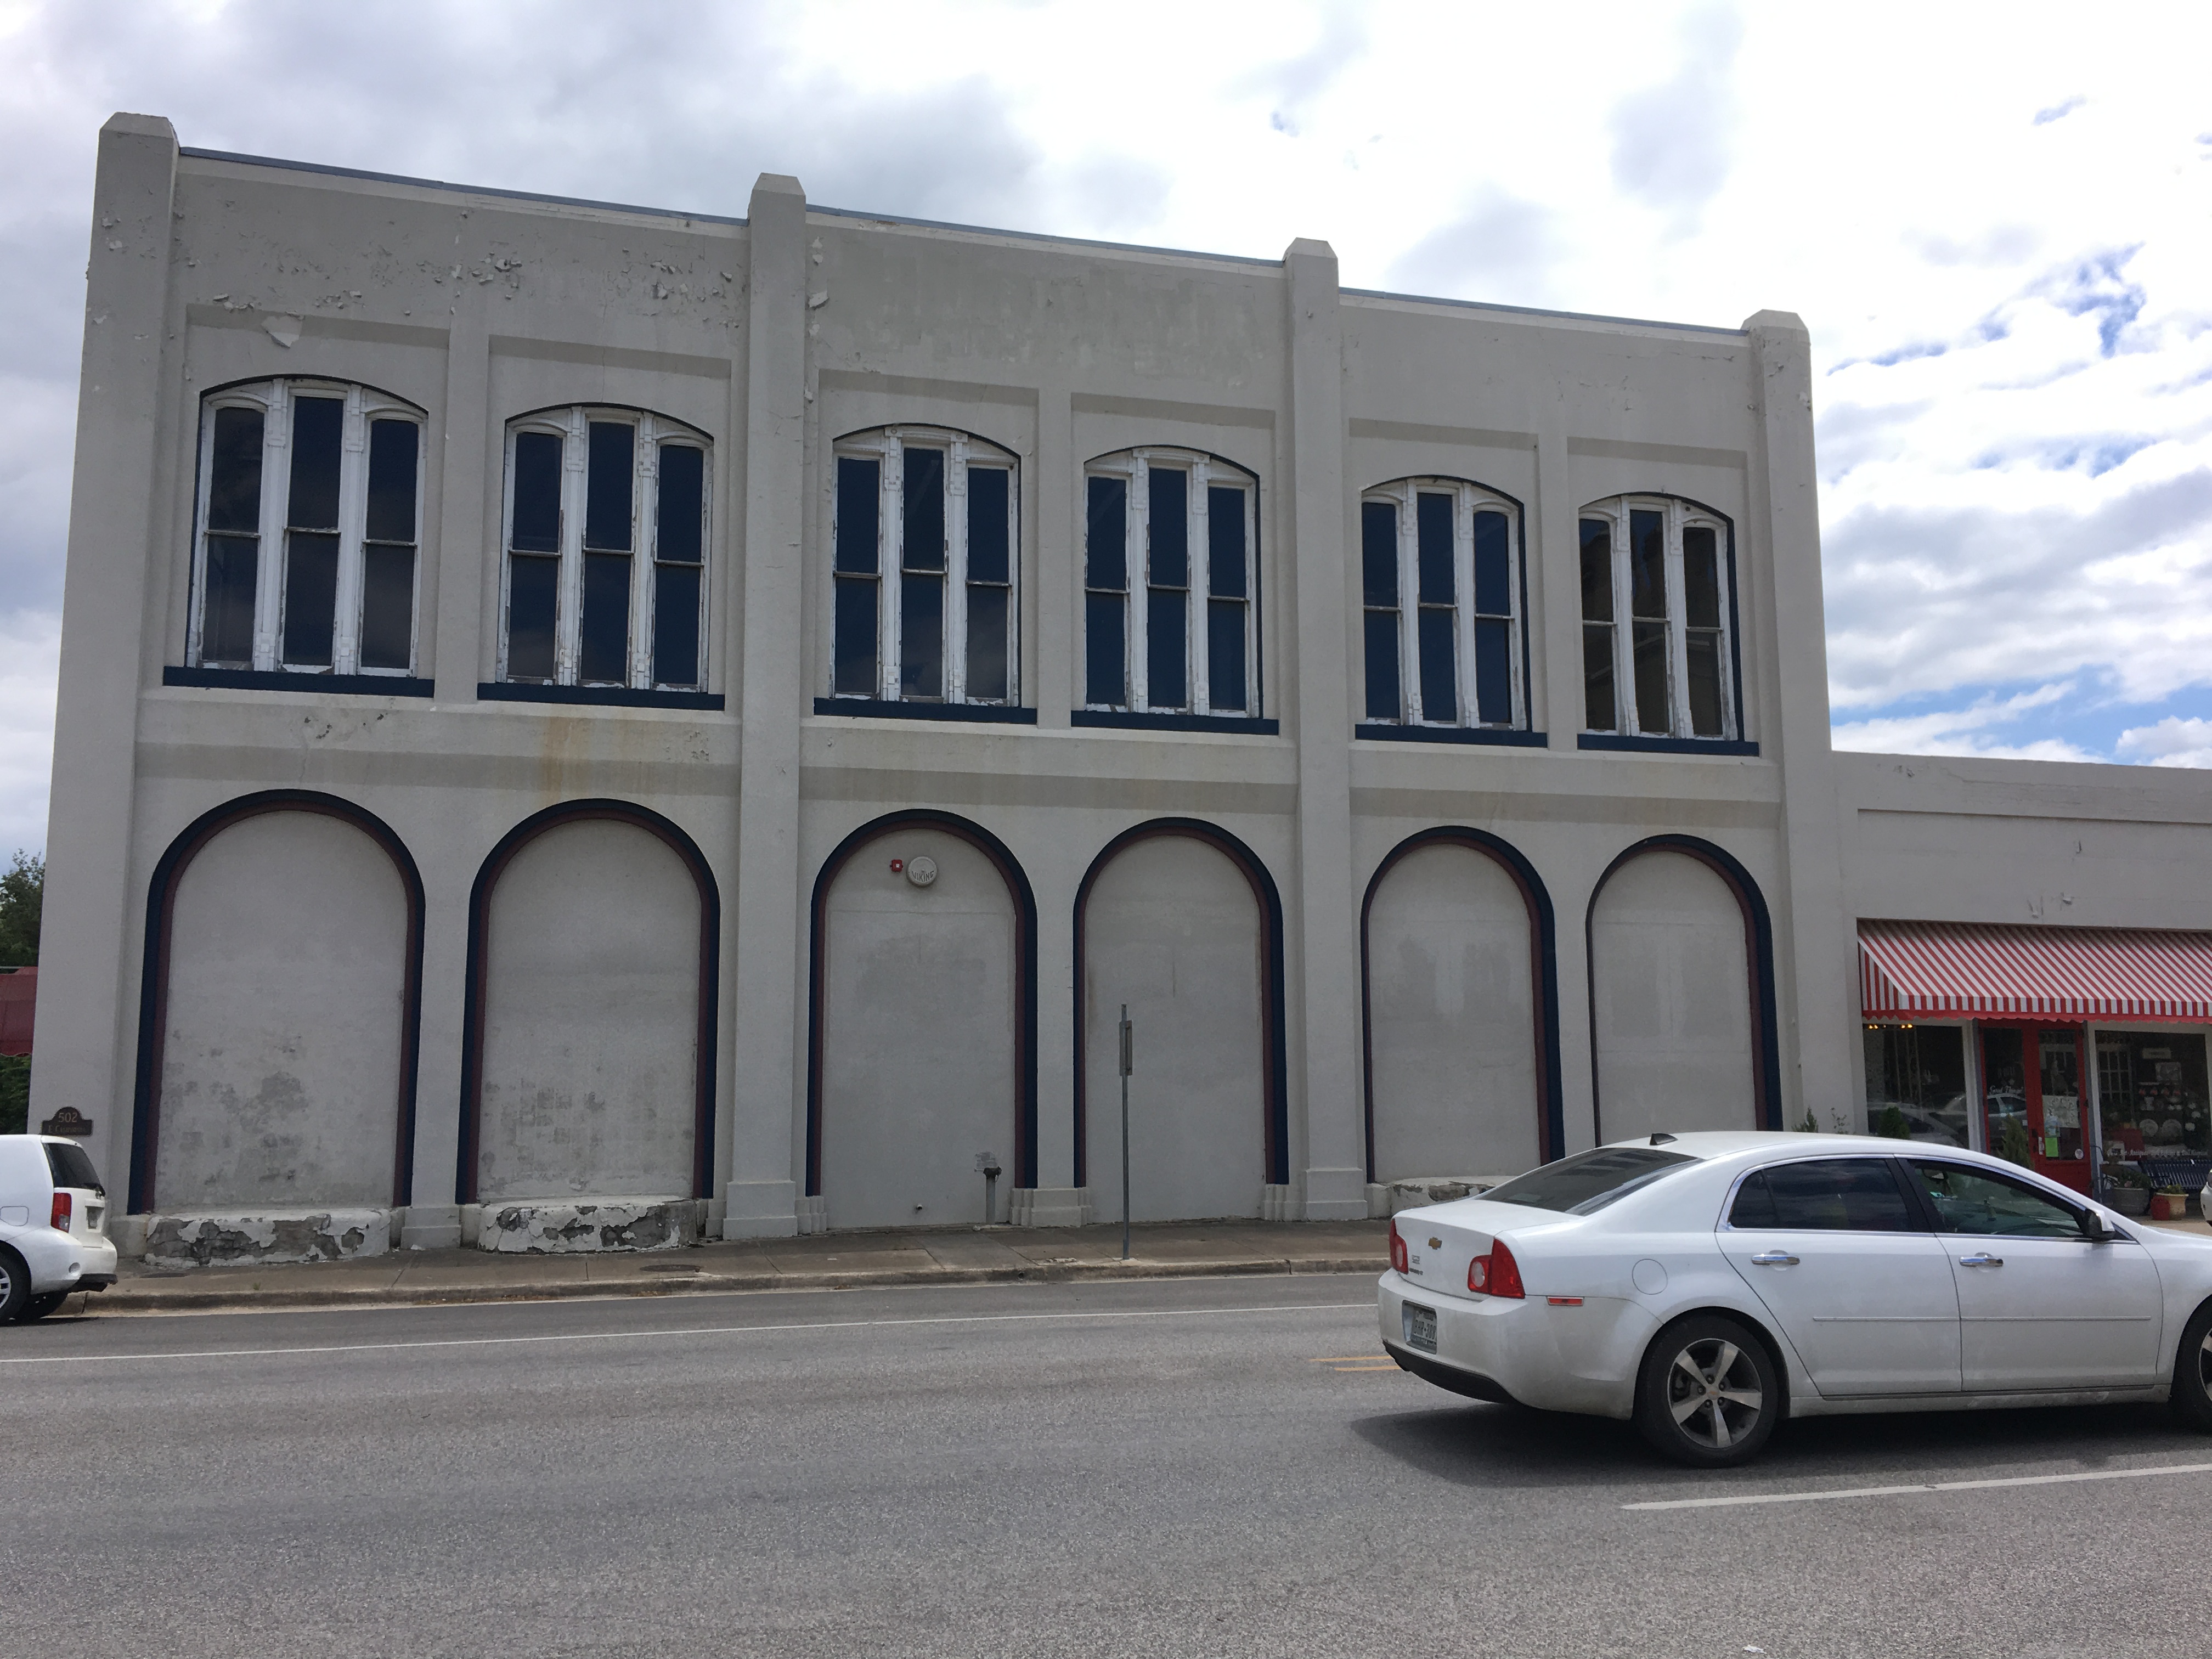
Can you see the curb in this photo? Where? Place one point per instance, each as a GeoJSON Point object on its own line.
{"type": "Point", "coordinates": [704, 1282]}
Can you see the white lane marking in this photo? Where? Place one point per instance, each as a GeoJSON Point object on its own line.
{"type": "Point", "coordinates": [677, 1330]}
{"type": "Point", "coordinates": [1936, 1486]}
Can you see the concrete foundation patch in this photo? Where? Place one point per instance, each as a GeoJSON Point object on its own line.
{"type": "Point", "coordinates": [605, 1223]}
{"type": "Point", "coordinates": [1411, 1191]}
{"type": "Point", "coordinates": [217, 1238]}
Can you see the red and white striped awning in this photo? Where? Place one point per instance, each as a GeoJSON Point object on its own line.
{"type": "Point", "coordinates": [1993, 971]}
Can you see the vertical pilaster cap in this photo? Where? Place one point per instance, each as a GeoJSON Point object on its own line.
{"type": "Point", "coordinates": [1775, 322]}
{"type": "Point", "coordinates": [122, 125]}
{"type": "Point", "coordinates": [778, 183]}
{"type": "Point", "coordinates": [1307, 247]}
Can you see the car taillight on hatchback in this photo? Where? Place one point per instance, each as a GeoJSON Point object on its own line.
{"type": "Point", "coordinates": [1398, 1259]}
{"type": "Point", "coordinates": [1495, 1274]}
{"type": "Point", "coordinates": [64, 1210]}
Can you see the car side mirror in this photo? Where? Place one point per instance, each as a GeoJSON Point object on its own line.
{"type": "Point", "coordinates": [2093, 1228]}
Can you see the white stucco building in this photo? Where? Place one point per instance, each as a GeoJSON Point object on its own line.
{"type": "Point", "coordinates": [564, 703]}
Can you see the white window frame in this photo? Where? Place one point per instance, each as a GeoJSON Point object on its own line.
{"type": "Point", "coordinates": [1468, 499]}
{"type": "Point", "coordinates": [1678, 516]}
{"type": "Point", "coordinates": [1134, 467]}
{"type": "Point", "coordinates": [887, 446]}
{"type": "Point", "coordinates": [572, 424]}
{"type": "Point", "coordinates": [276, 400]}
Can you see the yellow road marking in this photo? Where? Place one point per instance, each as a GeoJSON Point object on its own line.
{"type": "Point", "coordinates": [1339, 1370]}
{"type": "Point", "coordinates": [1345, 1358]}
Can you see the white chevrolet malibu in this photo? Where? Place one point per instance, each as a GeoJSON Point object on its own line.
{"type": "Point", "coordinates": [1708, 1285]}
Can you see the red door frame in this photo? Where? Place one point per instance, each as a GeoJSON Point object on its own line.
{"type": "Point", "coordinates": [2075, 1172]}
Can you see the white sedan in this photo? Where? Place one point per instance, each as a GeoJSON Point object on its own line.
{"type": "Point", "coordinates": [1708, 1285]}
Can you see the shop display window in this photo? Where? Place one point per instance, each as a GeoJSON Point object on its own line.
{"type": "Point", "coordinates": [2004, 1094]}
{"type": "Point", "coordinates": [1915, 1083]}
{"type": "Point", "coordinates": [2151, 1092]}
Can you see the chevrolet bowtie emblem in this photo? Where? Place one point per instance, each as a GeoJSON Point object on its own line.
{"type": "Point", "coordinates": [1436, 1244]}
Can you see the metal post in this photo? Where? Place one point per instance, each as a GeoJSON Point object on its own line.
{"type": "Point", "coordinates": [1128, 1049]}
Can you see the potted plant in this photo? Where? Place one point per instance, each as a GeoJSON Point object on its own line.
{"type": "Point", "coordinates": [2127, 1189]}
{"type": "Point", "coordinates": [2169, 1204]}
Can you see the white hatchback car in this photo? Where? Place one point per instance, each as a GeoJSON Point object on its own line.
{"type": "Point", "coordinates": [1707, 1286]}
{"type": "Point", "coordinates": [53, 1225]}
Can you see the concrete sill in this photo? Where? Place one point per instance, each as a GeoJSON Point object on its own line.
{"type": "Point", "coordinates": [602, 696]}
{"type": "Point", "coordinates": [339, 686]}
{"type": "Point", "coordinates": [883, 708]}
{"type": "Point", "coordinates": [1115, 719]}
{"type": "Point", "coordinates": [1498, 736]}
{"type": "Point", "coordinates": [1608, 740]}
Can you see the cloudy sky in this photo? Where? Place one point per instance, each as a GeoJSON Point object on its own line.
{"type": "Point", "coordinates": [1996, 219]}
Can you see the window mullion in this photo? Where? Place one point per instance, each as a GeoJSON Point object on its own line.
{"type": "Point", "coordinates": [1409, 603]}
{"type": "Point", "coordinates": [1624, 630]}
{"type": "Point", "coordinates": [353, 513]}
{"type": "Point", "coordinates": [576, 481]}
{"type": "Point", "coordinates": [645, 512]}
{"type": "Point", "coordinates": [891, 527]}
{"type": "Point", "coordinates": [1138, 553]}
{"type": "Point", "coordinates": [195, 623]}
{"type": "Point", "coordinates": [956, 572]}
{"type": "Point", "coordinates": [1678, 627]}
{"type": "Point", "coordinates": [275, 491]}
{"type": "Point", "coordinates": [1516, 554]}
{"type": "Point", "coordinates": [1195, 633]}
{"type": "Point", "coordinates": [1470, 711]}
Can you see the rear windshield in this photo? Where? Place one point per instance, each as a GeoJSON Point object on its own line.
{"type": "Point", "coordinates": [71, 1167]}
{"type": "Point", "coordinates": [1587, 1181]}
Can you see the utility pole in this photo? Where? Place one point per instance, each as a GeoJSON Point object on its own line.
{"type": "Point", "coordinates": [1128, 1052]}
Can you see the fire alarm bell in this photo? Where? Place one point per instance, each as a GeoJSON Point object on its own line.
{"type": "Point", "coordinates": [922, 871]}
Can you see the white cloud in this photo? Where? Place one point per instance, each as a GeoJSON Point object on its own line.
{"type": "Point", "coordinates": [2173, 741]}
{"type": "Point", "coordinates": [30, 649]}
{"type": "Point", "coordinates": [1966, 730]}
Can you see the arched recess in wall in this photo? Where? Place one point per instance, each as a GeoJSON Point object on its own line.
{"type": "Point", "coordinates": [278, 1011]}
{"type": "Point", "coordinates": [593, 931]}
{"type": "Point", "coordinates": [1673, 923]}
{"type": "Point", "coordinates": [921, 1022]}
{"type": "Point", "coordinates": [1182, 920]}
{"type": "Point", "coordinates": [1458, 1004]}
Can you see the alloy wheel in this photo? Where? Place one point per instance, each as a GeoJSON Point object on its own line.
{"type": "Point", "coordinates": [1714, 1394]}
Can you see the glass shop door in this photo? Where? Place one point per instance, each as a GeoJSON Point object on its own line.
{"type": "Point", "coordinates": [2032, 1100]}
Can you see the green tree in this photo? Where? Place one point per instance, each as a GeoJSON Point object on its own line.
{"type": "Point", "coordinates": [15, 1093]}
{"type": "Point", "coordinates": [22, 892]}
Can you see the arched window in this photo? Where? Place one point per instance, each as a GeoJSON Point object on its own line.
{"type": "Point", "coordinates": [605, 574]}
{"type": "Point", "coordinates": [309, 523]}
{"type": "Point", "coordinates": [924, 530]}
{"type": "Point", "coordinates": [1658, 579]}
{"type": "Point", "coordinates": [1170, 582]}
{"type": "Point", "coordinates": [1441, 591]}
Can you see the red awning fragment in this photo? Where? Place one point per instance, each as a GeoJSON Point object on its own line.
{"type": "Point", "coordinates": [1993, 971]}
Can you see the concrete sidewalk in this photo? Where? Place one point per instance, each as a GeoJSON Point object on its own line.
{"type": "Point", "coordinates": [978, 1255]}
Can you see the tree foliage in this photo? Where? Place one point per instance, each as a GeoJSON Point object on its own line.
{"type": "Point", "coordinates": [22, 891]}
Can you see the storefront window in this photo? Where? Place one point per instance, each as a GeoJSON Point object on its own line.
{"type": "Point", "coordinates": [2151, 1091]}
{"type": "Point", "coordinates": [2004, 1094]}
{"type": "Point", "coordinates": [1915, 1083]}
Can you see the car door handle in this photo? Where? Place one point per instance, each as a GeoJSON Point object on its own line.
{"type": "Point", "coordinates": [1983, 1259]}
{"type": "Point", "coordinates": [1773, 1258]}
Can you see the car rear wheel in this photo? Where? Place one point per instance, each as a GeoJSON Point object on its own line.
{"type": "Point", "coordinates": [14, 1286]}
{"type": "Point", "coordinates": [2192, 1371]}
{"type": "Point", "coordinates": [1708, 1396]}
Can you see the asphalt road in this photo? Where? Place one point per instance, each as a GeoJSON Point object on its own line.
{"type": "Point", "coordinates": [1181, 1468]}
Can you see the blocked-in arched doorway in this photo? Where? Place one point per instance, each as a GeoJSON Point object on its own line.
{"type": "Point", "coordinates": [1181, 921]}
{"type": "Point", "coordinates": [923, 1025]}
{"type": "Point", "coordinates": [1682, 1011]}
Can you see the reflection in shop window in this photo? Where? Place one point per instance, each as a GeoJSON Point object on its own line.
{"type": "Point", "coordinates": [2004, 1095]}
{"type": "Point", "coordinates": [2151, 1094]}
{"type": "Point", "coordinates": [1915, 1083]}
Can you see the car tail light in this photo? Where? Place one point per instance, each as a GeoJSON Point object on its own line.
{"type": "Point", "coordinates": [1495, 1274]}
{"type": "Point", "coordinates": [65, 1208]}
{"type": "Point", "coordinates": [1398, 1260]}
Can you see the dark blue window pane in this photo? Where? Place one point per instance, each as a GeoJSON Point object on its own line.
{"type": "Point", "coordinates": [604, 642]}
{"type": "Point", "coordinates": [533, 587]}
{"type": "Point", "coordinates": [1166, 663]}
{"type": "Point", "coordinates": [855, 673]}
{"type": "Point", "coordinates": [679, 511]}
{"type": "Point", "coordinates": [1648, 648]}
{"type": "Point", "coordinates": [1439, 677]}
{"type": "Point", "coordinates": [1170, 500]}
{"type": "Point", "coordinates": [1494, 566]}
{"type": "Point", "coordinates": [234, 471]}
{"type": "Point", "coordinates": [1599, 712]}
{"type": "Point", "coordinates": [1225, 653]}
{"type": "Point", "coordinates": [989, 524]}
{"type": "Point", "coordinates": [1701, 577]}
{"type": "Point", "coordinates": [921, 636]}
{"type": "Point", "coordinates": [859, 500]}
{"type": "Point", "coordinates": [392, 446]}
{"type": "Point", "coordinates": [311, 597]}
{"type": "Point", "coordinates": [1432, 526]}
{"type": "Point", "coordinates": [317, 425]}
{"type": "Point", "coordinates": [986, 644]}
{"type": "Point", "coordinates": [609, 502]}
{"type": "Point", "coordinates": [1493, 673]}
{"type": "Point", "coordinates": [387, 607]}
{"type": "Point", "coordinates": [227, 609]}
{"type": "Point", "coordinates": [537, 493]}
{"type": "Point", "coordinates": [1378, 552]}
{"type": "Point", "coordinates": [924, 499]}
{"type": "Point", "coordinates": [1647, 565]}
{"type": "Point", "coordinates": [676, 625]}
{"type": "Point", "coordinates": [1703, 648]}
{"type": "Point", "coordinates": [1226, 563]}
{"type": "Point", "coordinates": [1383, 702]}
{"type": "Point", "coordinates": [1597, 570]}
{"type": "Point", "coordinates": [1106, 536]}
{"type": "Point", "coordinates": [1105, 679]}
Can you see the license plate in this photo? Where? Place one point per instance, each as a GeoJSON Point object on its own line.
{"type": "Point", "coordinates": [1420, 1327]}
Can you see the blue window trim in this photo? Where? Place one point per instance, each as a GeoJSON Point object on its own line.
{"type": "Point", "coordinates": [329, 685]}
{"type": "Point", "coordinates": [1498, 736]}
{"type": "Point", "coordinates": [1614, 740]}
{"type": "Point", "coordinates": [884, 708]}
{"type": "Point", "coordinates": [607, 696]}
{"type": "Point", "coordinates": [1116, 718]}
